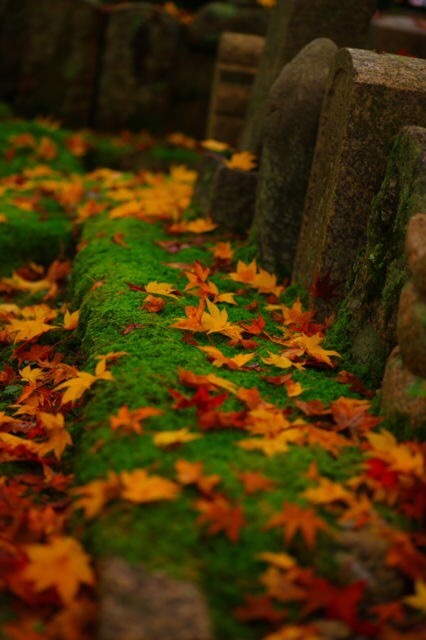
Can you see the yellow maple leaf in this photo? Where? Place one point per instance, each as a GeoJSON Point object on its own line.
{"type": "Point", "coordinates": [127, 210]}
{"type": "Point", "coordinates": [243, 160]}
{"type": "Point", "coordinates": [281, 361]}
{"type": "Point", "coordinates": [214, 320]}
{"type": "Point", "coordinates": [311, 346]}
{"type": "Point", "coordinates": [281, 560]}
{"type": "Point", "coordinates": [170, 438]}
{"type": "Point", "coordinates": [326, 492]}
{"type": "Point", "coordinates": [93, 496]}
{"type": "Point", "coordinates": [199, 225]}
{"type": "Point", "coordinates": [32, 375]}
{"type": "Point", "coordinates": [139, 487]}
{"type": "Point", "coordinates": [161, 289]}
{"type": "Point", "coordinates": [266, 282]}
{"type": "Point", "coordinates": [214, 145]}
{"type": "Point", "coordinates": [22, 330]}
{"type": "Point", "coordinates": [245, 273]}
{"type": "Point", "coordinates": [220, 360]}
{"type": "Point", "coordinates": [71, 320]}
{"type": "Point", "coordinates": [61, 564]}
{"type": "Point", "coordinates": [58, 437]}
{"type": "Point", "coordinates": [418, 599]}
{"type": "Point", "coordinates": [223, 251]}
{"type": "Point", "coordinates": [75, 387]}
{"type": "Point", "coordinates": [268, 446]}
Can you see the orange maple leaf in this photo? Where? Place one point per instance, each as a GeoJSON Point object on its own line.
{"type": "Point", "coordinates": [311, 346]}
{"type": "Point", "coordinates": [139, 487]}
{"type": "Point", "coordinates": [61, 564]}
{"type": "Point", "coordinates": [245, 273]}
{"type": "Point", "coordinates": [130, 420]}
{"type": "Point", "coordinates": [221, 515]}
{"type": "Point", "coordinates": [93, 496]}
{"type": "Point", "coordinates": [254, 481]}
{"type": "Point", "coordinates": [296, 519]}
{"type": "Point", "coordinates": [58, 437]}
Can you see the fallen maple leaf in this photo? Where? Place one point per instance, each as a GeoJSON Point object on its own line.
{"type": "Point", "coordinates": [311, 346]}
{"type": "Point", "coordinates": [171, 438]}
{"type": "Point", "coordinates": [61, 563]}
{"type": "Point", "coordinates": [58, 437]}
{"type": "Point", "coordinates": [294, 519]}
{"type": "Point", "coordinates": [130, 420]}
{"type": "Point", "coordinates": [326, 492]}
{"type": "Point", "coordinates": [140, 487]}
{"type": "Point", "coordinates": [161, 289]}
{"type": "Point", "coordinates": [153, 304]}
{"type": "Point", "coordinates": [218, 359]}
{"type": "Point", "coordinates": [254, 481]}
{"type": "Point", "coordinates": [243, 160]}
{"type": "Point", "coordinates": [93, 496]}
{"type": "Point", "coordinates": [221, 515]}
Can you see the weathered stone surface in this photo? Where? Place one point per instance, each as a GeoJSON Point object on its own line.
{"type": "Point", "coordinates": [217, 17]}
{"type": "Point", "coordinates": [394, 33]}
{"type": "Point", "coordinates": [368, 99]}
{"type": "Point", "coordinates": [411, 329]}
{"type": "Point", "coordinates": [226, 195]}
{"type": "Point", "coordinates": [366, 321]}
{"type": "Point", "coordinates": [291, 124]}
{"type": "Point", "coordinates": [363, 557]}
{"type": "Point", "coordinates": [59, 65]}
{"type": "Point", "coordinates": [136, 604]}
{"type": "Point", "coordinates": [237, 60]}
{"type": "Point", "coordinates": [141, 45]}
{"type": "Point", "coordinates": [415, 249]}
{"type": "Point", "coordinates": [403, 393]}
{"type": "Point", "coordinates": [293, 24]}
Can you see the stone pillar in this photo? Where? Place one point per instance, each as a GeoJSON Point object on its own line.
{"type": "Point", "coordinates": [291, 124]}
{"type": "Point", "coordinates": [404, 382]}
{"type": "Point", "coordinates": [368, 99]}
{"type": "Point", "coordinates": [237, 60]}
{"type": "Point", "coordinates": [293, 24]}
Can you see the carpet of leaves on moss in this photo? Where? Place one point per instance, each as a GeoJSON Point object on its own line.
{"type": "Point", "coordinates": [155, 384]}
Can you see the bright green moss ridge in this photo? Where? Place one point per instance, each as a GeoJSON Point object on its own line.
{"type": "Point", "coordinates": [166, 535]}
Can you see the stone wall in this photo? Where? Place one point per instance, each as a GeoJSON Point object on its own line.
{"type": "Point", "coordinates": [130, 65]}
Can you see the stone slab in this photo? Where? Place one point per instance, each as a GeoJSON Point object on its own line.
{"type": "Point", "coordinates": [293, 24]}
{"type": "Point", "coordinates": [411, 329]}
{"type": "Point", "coordinates": [399, 33]}
{"type": "Point", "coordinates": [60, 60]}
{"type": "Point", "coordinates": [224, 194]}
{"type": "Point", "coordinates": [291, 124]}
{"type": "Point", "coordinates": [368, 99]}
{"type": "Point", "coordinates": [237, 59]}
{"type": "Point", "coordinates": [403, 393]}
{"type": "Point", "coordinates": [135, 86]}
{"type": "Point", "coordinates": [136, 604]}
{"type": "Point", "coordinates": [366, 320]}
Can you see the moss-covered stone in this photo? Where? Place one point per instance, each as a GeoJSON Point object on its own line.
{"type": "Point", "coordinates": [365, 329]}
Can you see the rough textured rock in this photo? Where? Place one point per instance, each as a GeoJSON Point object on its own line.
{"type": "Point", "coordinates": [237, 59]}
{"type": "Point", "coordinates": [411, 329]}
{"type": "Point", "coordinates": [368, 99]}
{"type": "Point", "coordinates": [141, 45]}
{"type": "Point", "coordinates": [217, 17]}
{"type": "Point", "coordinates": [291, 124]}
{"type": "Point", "coordinates": [394, 33]}
{"type": "Point", "coordinates": [64, 31]}
{"type": "Point", "coordinates": [226, 195]}
{"type": "Point", "coordinates": [136, 604]}
{"type": "Point", "coordinates": [293, 24]}
{"type": "Point", "coordinates": [366, 321]}
{"type": "Point", "coordinates": [403, 393]}
{"type": "Point", "coordinates": [363, 557]}
{"type": "Point", "coordinates": [415, 249]}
